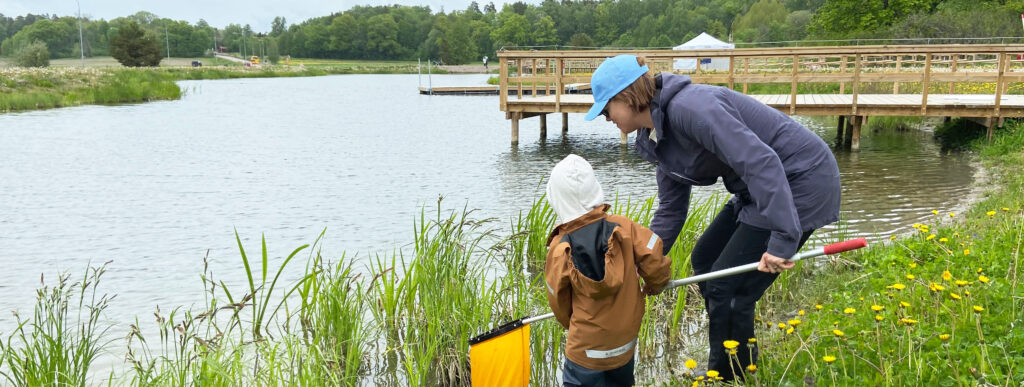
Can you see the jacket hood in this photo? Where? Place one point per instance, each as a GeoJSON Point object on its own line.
{"type": "Point", "coordinates": [573, 189]}
{"type": "Point", "coordinates": [670, 86]}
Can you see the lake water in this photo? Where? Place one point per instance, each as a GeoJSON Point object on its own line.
{"type": "Point", "coordinates": [155, 187]}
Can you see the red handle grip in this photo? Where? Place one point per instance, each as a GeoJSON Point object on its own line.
{"type": "Point", "coordinates": [851, 244]}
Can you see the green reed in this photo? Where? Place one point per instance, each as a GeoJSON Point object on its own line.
{"type": "Point", "coordinates": [58, 345]}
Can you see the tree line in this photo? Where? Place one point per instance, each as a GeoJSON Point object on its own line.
{"type": "Point", "coordinates": [464, 36]}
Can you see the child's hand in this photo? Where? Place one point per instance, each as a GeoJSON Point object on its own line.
{"type": "Point", "coordinates": [647, 291]}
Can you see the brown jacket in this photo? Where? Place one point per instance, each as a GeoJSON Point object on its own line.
{"type": "Point", "coordinates": [592, 272]}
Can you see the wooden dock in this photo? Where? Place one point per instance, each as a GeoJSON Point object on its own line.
{"type": "Point", "coordinates": [495, 90]}
{"type": "Point", "coordinates": [937, 80]}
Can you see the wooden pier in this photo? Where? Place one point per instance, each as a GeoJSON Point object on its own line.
{"type": "Point", "coordinates": [851, 82]}
{"type": "Point", "coordinates": [575, 88]}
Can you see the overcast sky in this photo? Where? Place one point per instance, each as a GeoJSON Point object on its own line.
{"type": "Point", "coordinates": [219, 13]}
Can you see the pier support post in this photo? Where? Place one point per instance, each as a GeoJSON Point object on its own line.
{"type": "Point", "coordinates": [623, 138]}
{"type": "Point", "coordinates": [515, 128]}
{"type": "Point", "coordinates": [565, 123]}
{"type": "Point", "coordinates": [543, 125]}
{"type": "Point", "coordinates": [848, 133]}
{"type": "Point", "coordinates": [839, 130]}
{"type": "Point", "coordinates": [855, 141]}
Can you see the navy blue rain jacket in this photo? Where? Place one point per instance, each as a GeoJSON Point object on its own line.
{"type": "Point", "coordinates": [783, 176]}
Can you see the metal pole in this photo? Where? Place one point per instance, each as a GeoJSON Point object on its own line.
{"type": "Point", "coordinates": [852, 244]}
{"type": "Point", "coordinates": [168, 39]}
{"type": "Point", "coordinates": [81, 39]}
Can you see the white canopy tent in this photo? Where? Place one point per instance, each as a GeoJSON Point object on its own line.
{"type": "Point", "coordinates": [703, 42]}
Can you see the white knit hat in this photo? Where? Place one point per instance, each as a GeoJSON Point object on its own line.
{"type": "Point", "coordinates": [573, 189]}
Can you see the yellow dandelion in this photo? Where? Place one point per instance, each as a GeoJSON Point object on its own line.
{"type": "Point", "coordinates": [954, 296]}
{"type": "Point", "coordinates": [897, 286]}
{"type": "Point", "coordinates": [935, 212]}
{"type": "Point", "coordinates": [990, 213]}
{"type": "Point", "coordinates": [1006, 209]}
{"type": "Point", "coordinates": [828, 359]}
{"type": "Point", "coordinates": [904, 304]}
{"type": "Point", "coordinates": [916, 225]}
{"type": "Point", "coordinates": [910, 276]}
{"type": "Point", "coordinates": [936, 287]}
{"type": "Point", "coordinates": [789, 331]}
{"type": "Point", "coordinates": [967, 293]}
{"type": "Point", "coordinates": [751, 368]}
{"type": "Point", "coordinates": [979, 270]}
{"type": "Point", "coordinates": [691, 363]}
{"type": "Point", "coordinates": [983, 279]}
{"type": "Point", "coordinates": [946, 275]}
{"type": "Point", "coordinates": [696, 383]}
{"type": "Point", "coordinates": [943, 240]}
{"type": "Point", "coordinates": [944, 337]}
{"type": "Point", "coordinates": [978, 309]}
{"type": "Point", "coordinates": [877, 308]}
{"type": "Point", "coordinates": [800, 312]}
{"type": "Point", "coordinates": [951, 214]}
{"type": "Point", "coordinates": [908, 321]}
{"type": "Point", "coordinates": [794, 322]}
{"type": "Point", "coordinates": [878, 317]}
{"type": "Point", "coordinates": [730, 344]}
{"type": "Point", "coordinates": [782, 325]}
{"type": "Point", "coordinates": [956, 234]}
{"type": "Point", "coordinates": [751, 340]}
{"type": "Point", "coordinates": [961, 283]}
{"type": "Point", "coordinates": [930, 237]}
{"type": "Point", "coordinates": [712, 373]}
{"type": "Point", "coordinates": [892, 237]}
{"type": "Point", "coordinates": [849, 311]}
{"type": "Point", "coordinates": [818, 307]}
{"type": "Point", "coordinates": [913, 265]}
{"type": "Point", "coordinates": [838, 333]}
{"type": "Point", "coordinates": [967, 251]}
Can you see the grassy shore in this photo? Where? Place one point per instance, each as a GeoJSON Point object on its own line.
{"type": "Point", "coordinates": [936, 305]}
{"type": "Point", "coordinates": [103, 81]}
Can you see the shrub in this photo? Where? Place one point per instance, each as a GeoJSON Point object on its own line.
{"type": "Point", "coordinates": [35, 54]}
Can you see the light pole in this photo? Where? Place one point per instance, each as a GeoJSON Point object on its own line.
{"type": "Point", "coordinates": [81, 39]}
{"type": "Point", "coordinates": [168, 39]}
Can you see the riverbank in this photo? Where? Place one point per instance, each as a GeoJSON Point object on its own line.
{"type": "Point", "coordinates": [104, 81]}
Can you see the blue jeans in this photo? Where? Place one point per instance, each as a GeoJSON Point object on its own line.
{"type": "Point", "coordinates": [574, 375]}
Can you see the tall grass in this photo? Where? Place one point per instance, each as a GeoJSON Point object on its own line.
{"type": "Point", "coordinates": [65, 334]}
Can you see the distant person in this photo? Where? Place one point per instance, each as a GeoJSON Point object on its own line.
{"type": "Point", "coordinates": [485, 62]}
{"type": "Point", "coordinates": [783, 177]}
{"type": "Point", "coordinates": [593, 264]}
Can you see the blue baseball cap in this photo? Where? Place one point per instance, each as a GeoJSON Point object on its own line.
{"type": "Point", "coordinates": [611, 77]}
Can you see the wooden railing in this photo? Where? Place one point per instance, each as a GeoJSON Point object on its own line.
{"type": "Point", "coordinates": [925, 67]}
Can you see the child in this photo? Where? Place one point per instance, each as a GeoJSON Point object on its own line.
{"type": "Point", "coordinates": [593, 263]}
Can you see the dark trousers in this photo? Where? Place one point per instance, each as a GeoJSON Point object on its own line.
{"type": "Point", "coordinates": [575, 375]}
{"type": "Point", "coordinates": [730, 301]}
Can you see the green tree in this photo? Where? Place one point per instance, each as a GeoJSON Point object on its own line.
{"type": "Point", "coordinates": [134, 48]}
{"type": "Point", "coordinates": [581, 39]}
{"type": "Point", "coordinates": [277, 27]}
{"type": "Point", "coordinates": [34, 54]}
{"type": "Point", "coordinates": [544, 33]}
{"type": "Point", "coordinates": [513, 30]}
{"type": "Point", "coordinates": [764, 21]}
{"type": "Point", "coordinates": [382, 37]}
{"type": "Point", "coordinates": [838, 19]}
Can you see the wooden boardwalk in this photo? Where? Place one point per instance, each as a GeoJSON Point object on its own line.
{"type": "Point", "coordinates": [937, 80]}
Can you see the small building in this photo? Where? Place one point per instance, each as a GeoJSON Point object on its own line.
{"type": "Point", "coordinates": [703, 42]}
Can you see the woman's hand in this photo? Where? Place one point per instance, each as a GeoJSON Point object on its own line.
{"type": "Point", "coordinates": [772, 264]}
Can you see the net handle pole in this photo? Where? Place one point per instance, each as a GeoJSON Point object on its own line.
{"type": "Point", "coordinates": [834, 248]}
